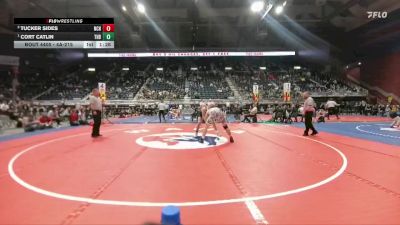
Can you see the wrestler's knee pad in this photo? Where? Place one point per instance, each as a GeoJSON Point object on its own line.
{"type": "Point", "coordinates": [225, 126]}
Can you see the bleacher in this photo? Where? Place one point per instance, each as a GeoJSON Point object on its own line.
{"type": "Point", "coordinates": [208, 85]}
{"type": "Point", "coordinates": [125, 84]}
{"type": "Point", "coordinates": [177, 82]}
{"type": "Point", "coordinates": [164, 85]}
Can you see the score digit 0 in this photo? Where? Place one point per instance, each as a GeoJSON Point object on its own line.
{"type": "Point", "coordinates": [108, 36]}
{"type": "Point", "coordinates": [108, 27]}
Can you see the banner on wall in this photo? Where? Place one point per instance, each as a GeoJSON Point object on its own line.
{"type": "Point", "coordinates": [286, 92]}
{"type": "Point", "coordinates": [256, 94]}
{"type": "Point", "coordinates": [102, 90]}
{"type": "Point", "coordinates": [191, 54]}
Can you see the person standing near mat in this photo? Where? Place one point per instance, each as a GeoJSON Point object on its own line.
{"type": "Point", "coordinates": [215, 115]}
{"type": "Point", "coordinates": [162, 108]}
{"type": "Point", "coordinates": [96, 106]}
{"type": "Point", "coordinates": [201, 116]}
{"type": "Point", "coordinates": [309, 109]}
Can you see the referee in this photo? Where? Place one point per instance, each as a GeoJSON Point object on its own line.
{"type": "Point", "coordinates": [309, 109]}
{"type": "Point", "coordinates": [96, 106]}
{"type": "Point", "coordinates": [162, 107]}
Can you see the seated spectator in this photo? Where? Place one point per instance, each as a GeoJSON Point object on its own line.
{"type": "Point", "coordinates": [286, 115]}
{"type": "Point", "coordinates": [54, 114]}
{"type": "Point", "coordinates": [74, 118]}
{"type": "Point", "coordinates": [45, 122]}
{"type": "Point", "coordinates": [262, 110]}
{"type": "Point", "coordinates": [321, 116]}
{"type": "Point", "coordinates": [252, 114]}
{"type": "Point", "coordinates": [65, 113]}
{"type": "Point", "coordinates": [30, 124]}
{"type": "Point", "coordinates": [293, 113]}
{"type": "Point", "coordinates": [4, 107]}
{"type": "Point", "coordinates": [279, 114]}
{"type": "Point", "coordinates": [83, 117]}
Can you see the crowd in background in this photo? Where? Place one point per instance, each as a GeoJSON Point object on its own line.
{"type": "Point", "coordinates": [164, 85]}
{"type": "Point", "coordinates": [36, 117]}
{"type": "Point", "coordinates": [285, 112]}
{"type": "Point", "coordinates": [176, 81]}
{"type": "Point", "coordinates": [180, 83]}
{"type": "Point", "coordinates": [32, 117]}
{"type": "Point", "coordinates": [208, 85]}
{"type": "Point", "coordinates": [271, 82]}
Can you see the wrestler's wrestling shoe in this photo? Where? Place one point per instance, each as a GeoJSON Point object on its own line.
{"type": "Point", "coordinates": [231, 140]}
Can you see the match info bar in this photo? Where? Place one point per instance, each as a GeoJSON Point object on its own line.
{"type": "Point", "coordinates": [190, 54]}
{"type": "Point", "coordinates": [64, 33]}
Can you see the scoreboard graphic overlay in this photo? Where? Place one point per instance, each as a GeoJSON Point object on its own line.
{"type": "Point", "coordinates": [64, 33]}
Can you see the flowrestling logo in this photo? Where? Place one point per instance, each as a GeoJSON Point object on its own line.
{"type": "Point", "coordinates": [377, 14]}
{"type": "Point", "coordinates": [180, 141]}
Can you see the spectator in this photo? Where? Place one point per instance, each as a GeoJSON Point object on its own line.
{"type": "Point", "coordinates": [74, 118]}
{"type": "Point", "coordinates": [45, 122]}
{"type": "Point", "coordinates": [54, 114]}
{"type": "Point", "coordinates": [252, 114]}
{"type": "Point", "coordinates": [333, 108]}
{"type": "Point", "coordinates": [83, 116]}
{"type": "Point", "coordinates": [321, 116]}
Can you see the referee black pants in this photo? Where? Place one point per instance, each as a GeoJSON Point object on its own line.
{"type": "Point", "coordinates": [96, 123]}
{"type": "Point", "coordinates": [308, 122]}
{"type": "Point", "coordinates": [161, 113]}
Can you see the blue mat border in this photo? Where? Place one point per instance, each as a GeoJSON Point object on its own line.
{"type": "Point", "coordinates": [349, 129]}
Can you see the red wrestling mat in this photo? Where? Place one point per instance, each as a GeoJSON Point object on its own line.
{"type": "Point", "coordinates": [269, 175]}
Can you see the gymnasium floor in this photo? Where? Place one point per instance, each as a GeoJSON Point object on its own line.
{"type": "Point", "coordinates": [348, 174]}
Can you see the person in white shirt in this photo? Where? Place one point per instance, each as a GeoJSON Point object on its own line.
{"type": "Point", "coordinates": [162, 108]}
{"type": "Point", "coordinates": [4, 107]}
{"type": "Point", "coordinates": [252, 114]}
{"type": "Point", "coordinates": [82, 116]}
{"type": "Point", "coordinates": [54, 115]}
{"type": "Point", "coordinates": [332, 108]}
{"type": "Point", "coordinates": [96, 106]}
{"type": "Point", "coordinates": [309, 109]}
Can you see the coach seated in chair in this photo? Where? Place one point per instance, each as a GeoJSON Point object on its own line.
{"type": "Point", "coordinates": [252, 114]}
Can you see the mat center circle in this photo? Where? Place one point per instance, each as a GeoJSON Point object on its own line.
{"type": "Point", "coordinates": [180, 141]}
